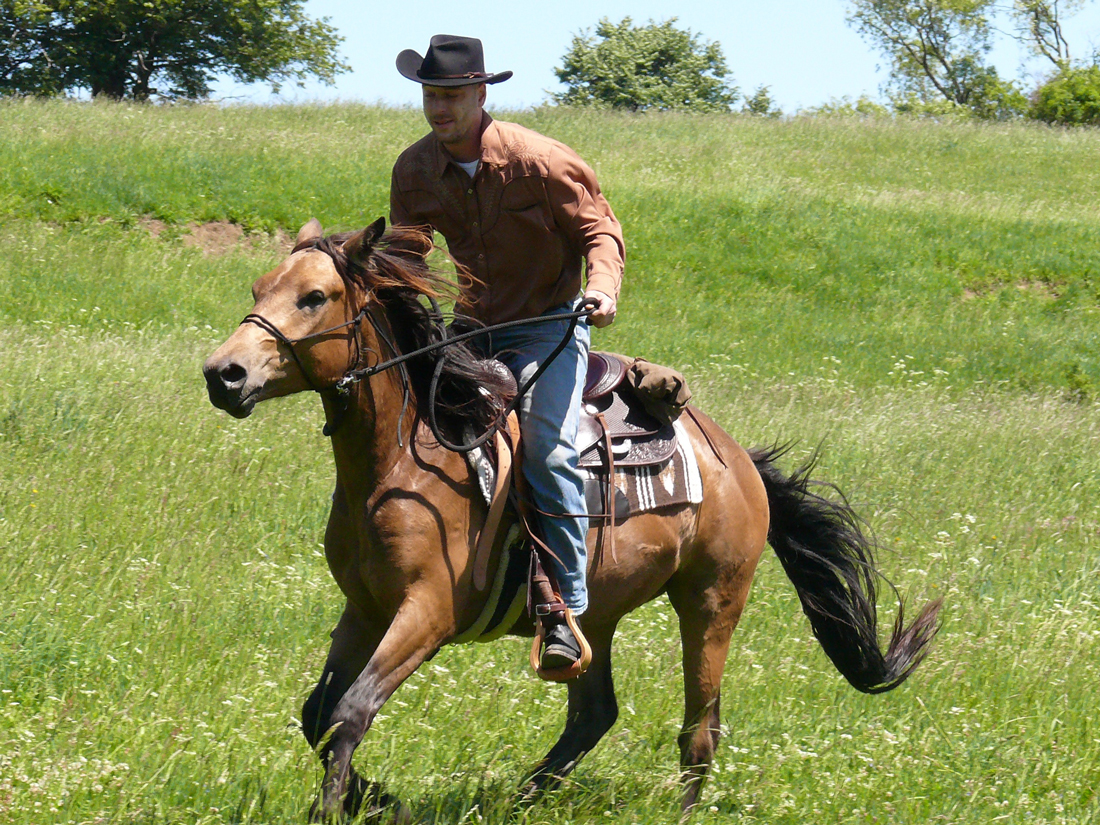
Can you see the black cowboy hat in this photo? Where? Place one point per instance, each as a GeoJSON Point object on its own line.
{"type": "Point", "coordinates": [450, 61]}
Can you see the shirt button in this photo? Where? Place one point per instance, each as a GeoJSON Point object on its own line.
{"type": "Point", "coordinates": [481, 256]}
{"type": "Point", "coordinates": [469, 191]}
{"type": "Point", "coordinates": [475, 224]}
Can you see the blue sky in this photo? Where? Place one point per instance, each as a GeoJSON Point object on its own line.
{"type": "Point", "coordinates": [803, 49]}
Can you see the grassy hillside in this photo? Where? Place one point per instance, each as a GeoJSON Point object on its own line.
{"type": "Point", "coordinates": [922, 298]}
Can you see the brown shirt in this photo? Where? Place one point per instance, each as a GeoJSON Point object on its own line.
{"type": "Point", "coordinates": [523, 224]}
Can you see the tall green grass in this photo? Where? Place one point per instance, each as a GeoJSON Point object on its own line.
{"type": "Point", "coordinates": [917, 297]}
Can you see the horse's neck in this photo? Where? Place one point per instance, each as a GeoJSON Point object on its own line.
{"type": "Point", "coordinates": [372, 434]}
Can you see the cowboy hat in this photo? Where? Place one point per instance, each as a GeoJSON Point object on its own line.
{"type": "Point", "coordinates": [450, 61]}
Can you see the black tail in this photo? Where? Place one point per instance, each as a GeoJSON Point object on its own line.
{"type": "Point", "coordinates": [831, 564]}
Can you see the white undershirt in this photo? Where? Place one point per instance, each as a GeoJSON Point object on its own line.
{"type": "Point", "coordinates": [469, 168]}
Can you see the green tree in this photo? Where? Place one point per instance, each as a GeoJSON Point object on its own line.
{"type": "Point", "coordinates": [656, 66]}
{"type": "Point", "coordinates": [168, 48]}
{"type": "Point", "coordinates": [1072, 97]}
{"type": "Point", "coordinates": [761, 104]}
{"type": "Point", "coordinates": [937, 51]}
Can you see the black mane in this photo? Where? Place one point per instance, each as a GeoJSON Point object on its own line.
{"type": "Point", "coordinates": [396, 273]}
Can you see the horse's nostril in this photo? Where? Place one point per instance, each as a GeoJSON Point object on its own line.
{"type": "Point", "coordinates": [232, 374]}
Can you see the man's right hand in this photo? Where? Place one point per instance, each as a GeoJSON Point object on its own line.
{"type": "Point", "coordinates": [604, 313]}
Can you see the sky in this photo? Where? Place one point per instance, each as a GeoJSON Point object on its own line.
{"type": "Point", "coordinates": [802, 49]}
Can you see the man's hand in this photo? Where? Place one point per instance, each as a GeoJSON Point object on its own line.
{"type": "Point", "coordinates": [604, 314]}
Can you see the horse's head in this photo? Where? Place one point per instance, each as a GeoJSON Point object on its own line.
{"type": "Point", "coordinates": [300, 333]}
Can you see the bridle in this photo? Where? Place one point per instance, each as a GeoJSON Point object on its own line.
{"type": "Point", "coordinates": [278, 335]}
{"type": "Point", "coordinates": [343, 385]}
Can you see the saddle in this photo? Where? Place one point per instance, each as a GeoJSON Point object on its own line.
{"type": "Point", "coordinates": [620, 418]}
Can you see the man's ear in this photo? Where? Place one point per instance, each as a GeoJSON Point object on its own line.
{"type": "Point", "coordinates": [307, 233]}
{"type": "Point", "coordinates": [359, 245]}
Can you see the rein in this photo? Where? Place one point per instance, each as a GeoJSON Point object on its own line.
{"type": "Point", "coordinates": [342, 386]}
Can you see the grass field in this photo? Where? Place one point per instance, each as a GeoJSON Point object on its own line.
{"type": "Point", "coordinates": [921, 298]}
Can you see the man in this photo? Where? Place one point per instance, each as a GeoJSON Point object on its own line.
{"type": "Point", "coordinates": [520, 211]}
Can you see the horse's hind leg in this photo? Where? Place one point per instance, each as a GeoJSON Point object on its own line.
{"type": "Point", "coordinates": [707, 619]}
{"type": "Point", "coordinates": [592, 712]}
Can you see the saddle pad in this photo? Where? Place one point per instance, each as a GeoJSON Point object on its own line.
{"type": "Point", "coordinates": [674, 481]}
{"type": "Point", "coordinates": [508, 595]}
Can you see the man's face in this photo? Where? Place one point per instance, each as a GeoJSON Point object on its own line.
{"type": "Point", "coordinates": [454, 112]}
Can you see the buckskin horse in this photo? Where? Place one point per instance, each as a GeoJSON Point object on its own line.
{"type": "Point", "coordinates": [406, 514]}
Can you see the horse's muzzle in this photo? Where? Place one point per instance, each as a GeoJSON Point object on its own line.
{"type": "Point", "coordinates": [227, 385]}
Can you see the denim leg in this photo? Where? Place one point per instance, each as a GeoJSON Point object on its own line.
{"type": "Point", "coordinates": [549, 417]}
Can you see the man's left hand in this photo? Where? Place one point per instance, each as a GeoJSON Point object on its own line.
{"type": "Point", "coordinates": [604, 314]}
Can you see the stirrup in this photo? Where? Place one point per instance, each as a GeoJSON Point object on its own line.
{"type": "Point", "coordinates": [561, 674]}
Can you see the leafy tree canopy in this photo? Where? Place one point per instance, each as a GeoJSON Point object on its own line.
{"type": "Point", "coordinates": [168, 48]}
{"type": "Point", "coordinates": [656, 66]}
{"type": "Point", "coordinates": [1072, 97]}
{"type": "Point", "coordinates": [937, 50]}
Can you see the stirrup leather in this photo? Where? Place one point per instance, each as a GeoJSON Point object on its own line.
{"type": "Point", "coordinates": [561, 674]}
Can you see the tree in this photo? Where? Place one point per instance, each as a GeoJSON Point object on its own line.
{"type": "Point", "coordinates": [168, 48]}
{"type": "Point", "coordinates": [656, 66]}
{"type": "Point", "coordinates": [1040, 25]}
{"type": "Point", "coordinates": [937, 49]}
{"type": "Point", "coordinates": [1072, 97]}
{"type": "Point", "coordinates": [761, 104]}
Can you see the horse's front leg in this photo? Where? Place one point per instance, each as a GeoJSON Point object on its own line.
{"type": "Point", "coordinates": [412, 637]}
{"type": "Point", "coordinates": [353, 643]}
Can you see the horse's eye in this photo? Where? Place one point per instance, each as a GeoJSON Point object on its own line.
{"type": "Point", "coordinates": [311, 300]}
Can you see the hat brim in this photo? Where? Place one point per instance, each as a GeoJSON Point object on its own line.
{"type": "Point", "coordinates": [409, 63]}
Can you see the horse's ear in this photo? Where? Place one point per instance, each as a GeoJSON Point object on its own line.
{"type": "Point", "coordinates": [309, 232]}
{"type": "Point", "coordinates": [359, 245]}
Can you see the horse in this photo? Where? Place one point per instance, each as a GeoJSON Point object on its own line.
{"type": "Point", "coordinates": [406, 514]}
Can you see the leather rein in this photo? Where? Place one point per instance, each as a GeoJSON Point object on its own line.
{"type": "Point", "coordinates": [342, 386]}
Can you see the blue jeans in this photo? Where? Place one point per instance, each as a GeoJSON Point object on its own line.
{"type": "Point", "coordinates": [549, 416]}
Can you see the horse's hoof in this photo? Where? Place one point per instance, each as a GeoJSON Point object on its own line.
{"type": "Point", "coordinates": [376, 805]}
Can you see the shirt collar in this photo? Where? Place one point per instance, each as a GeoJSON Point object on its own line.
{"type": "Point", "coordinates": [492, 150]}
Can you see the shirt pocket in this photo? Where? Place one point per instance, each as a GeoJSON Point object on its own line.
{"type": "Point", "coordinates": [523, 202]}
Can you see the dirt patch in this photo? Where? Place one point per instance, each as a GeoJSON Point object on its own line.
{"type": "Point", "coordinates": [283, 241]}
{"type": "Point", "coordinates": [153, 226]}
{"type": "Point", "coordinates": [214, 238]}
{"type": "Point", "coordinates": [220, 237]}
{"type": "Point", "coordinates": [1040, 288]}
